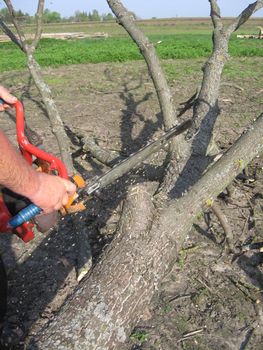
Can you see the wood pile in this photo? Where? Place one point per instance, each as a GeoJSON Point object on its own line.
{"type": "Point", "coordinates": [250, 36]}
{"type": "Point", "coordinates": [62, 36]}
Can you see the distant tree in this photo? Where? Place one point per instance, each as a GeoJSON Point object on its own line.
{"type": "Point", "coordinates": [24, 17]}
{"type": "Point", "coordinates": [107, 17]}
{"type": "Point", "coordinates": [4, 15]}
{"type": "Point", "coordinates": [28, 19]}
{"type": "Point", "coordinates": [94, 16]}
{"type": "Point", "coordinates": [51, 16]}
{"type": "Point", "coordinates": [81, 16]}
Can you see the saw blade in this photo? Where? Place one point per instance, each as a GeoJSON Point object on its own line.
{"type": "Point", "coordinates": [135, 159]}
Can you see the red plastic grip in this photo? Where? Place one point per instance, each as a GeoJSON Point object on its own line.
{"type": "Point", "coordinates": [28, 150]}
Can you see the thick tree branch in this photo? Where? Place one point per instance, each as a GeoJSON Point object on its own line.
{"type": "Point", "coordinates": [147, 49]}
{"type": "Point", "coordinates": [16, 24]}
{"type": "Point", "coordinates": [215, 14]}
{"type": "Point", "coordinates": [244, 16]}
{"type": "Point", "coordinates": [38, 32]}
{"type": "Point", "coordinates": [206, 109]}
{"type": "Point", "coordinates": [11, 35]}
{"type": "Point", "coordinates": [53, 113]}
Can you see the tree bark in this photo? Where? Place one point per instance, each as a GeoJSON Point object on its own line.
{"type": "Point", "coordinates": [53, 113]}
{"type": "Point", "coordinates": [102, 312]}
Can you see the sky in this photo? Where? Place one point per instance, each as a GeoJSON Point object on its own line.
{"type": "Point", "coordinates": [142, 8]}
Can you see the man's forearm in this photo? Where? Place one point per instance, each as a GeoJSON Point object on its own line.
{"type": "Point", "coordinates": [49, 192]}
{"type": "Point", "coordinates": [15, 173]}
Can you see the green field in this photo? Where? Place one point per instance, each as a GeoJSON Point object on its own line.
{"type": "Point", "coordinates": [173, 39]}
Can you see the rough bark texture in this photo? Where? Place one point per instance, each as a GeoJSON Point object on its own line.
{"type": "Point", "coordinates": [104, 308]}
{"type": "Point", "coordinates": [53, 113]}
{"type": "Point", "coordinates": [110, 288]}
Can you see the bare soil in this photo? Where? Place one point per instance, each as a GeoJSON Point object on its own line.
{"type": "Point", "coordinates": [211, 299]}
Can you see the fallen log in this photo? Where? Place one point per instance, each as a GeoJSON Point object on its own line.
{"type": "Point", "coordinates": [109, 302]}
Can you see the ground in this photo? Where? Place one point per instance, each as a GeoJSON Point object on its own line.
{"type": "Point", "coordinates": [210, 299]}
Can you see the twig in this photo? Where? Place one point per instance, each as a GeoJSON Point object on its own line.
{"type": "Point", "coordinates": [239, 285]}
{"type": "Point", "coordinates": [248, 335]}
{"type": "Point", "coordinates": [191, 334]}
{"type": "Point", "coordinates": [187, 104]}
{"type": "Point", "coordinates": [232, 85]}
{"type": "Point", "coordinates": [16, 24]}
{"type": "Point", "coordinates": [225, 225]}
{"type": "Point", "coordinates": [179, 298]}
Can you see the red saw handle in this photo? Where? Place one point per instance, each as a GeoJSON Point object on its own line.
{"type": "Point", "coordinates": [28, 150]}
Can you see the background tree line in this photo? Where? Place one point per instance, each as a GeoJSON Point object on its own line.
{"type": "Point", "coordinates": [55, 17]}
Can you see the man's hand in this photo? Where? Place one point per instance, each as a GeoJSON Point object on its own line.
{"type": "Point", "coordinates": [53, 192]}
{"type": "Point", "coordinates": [7, 97]}
{"type": "Point", "coordinates": [49, 192]}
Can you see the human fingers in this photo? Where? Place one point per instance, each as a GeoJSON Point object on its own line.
{"type": "Point", "coordinates": [7, 97]}
{"type": "Point", "coordinates": [69, 186]}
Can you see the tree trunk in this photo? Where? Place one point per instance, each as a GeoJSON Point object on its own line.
{"type": "Point", "coordinates": [102, 312]}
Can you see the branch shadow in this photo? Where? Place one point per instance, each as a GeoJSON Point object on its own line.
{"type": "Point", "coordinates": [250, 266]}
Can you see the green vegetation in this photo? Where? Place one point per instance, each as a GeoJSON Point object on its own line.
{"type": "Point", "coordinates": [52, 52]}
{"type": "Point", "coordinates": [140, 336]}
{"type": "Point", "coordinates": [173, 39]}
